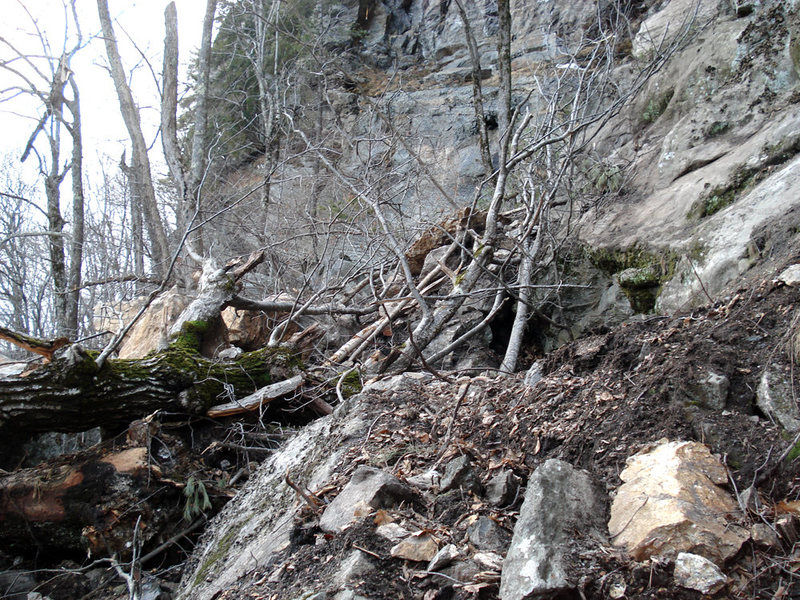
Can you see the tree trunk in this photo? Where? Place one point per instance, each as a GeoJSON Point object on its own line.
{"type": "Point", "coordinates": [477, 90]}
{"type": "Point", "coordinates": [199, 158]}
{"type": "Point", "coordinates": [169, 112]}
{"type": "Point", "coordinates": [71, 394]}
{"type": "Point", "coordinates": [76, 245]}
{"type": "Point", "coordinates": [140, 160]}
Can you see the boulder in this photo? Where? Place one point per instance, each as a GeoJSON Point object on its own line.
{"type": "Point", "coordinates": [368, 486]}
{"type": "Point", "coordinates": [775, 399]}
{"type": "Point", "coordinates": [150, 332]}
{"type": "Point", "coordinates": [248, 330]}
{"type": "Point", "coordinates": [562, 503]}
{"type": "Point", "coordinates": [671, 502]}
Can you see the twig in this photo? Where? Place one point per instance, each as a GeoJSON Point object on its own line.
{"type": "Point", "coordinates": [365, 551]}
{"type": "Point", "coordinates": [462, 393]}
{"type": "Point", "coordinates": [341, 380]}
{"type": "Point", "coordinates": [173, 540]}
{"type": "Point", "coordinates": [700, 281]}
{"type": "Point", "coordinates": [453, 579]}
{"type": "Point", "coordinates": [314, 503]}
{"type": "Point", "coordinates": [424, 362]}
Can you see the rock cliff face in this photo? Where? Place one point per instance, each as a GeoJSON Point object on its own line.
{"type": "Point", "coordinates": [684, 190]}
{"type": "Point", "coordinates": [694, 197]}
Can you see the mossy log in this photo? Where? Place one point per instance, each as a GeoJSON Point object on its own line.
{"type": "Point", "coordinates": [73, 394]}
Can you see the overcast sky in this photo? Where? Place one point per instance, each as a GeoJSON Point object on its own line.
{"type": "Point", "coordinates": [138, 24]}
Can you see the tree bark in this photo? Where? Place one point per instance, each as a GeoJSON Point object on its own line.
{"type": "Point", "coordinates": [169, 111]}
{"type": "Point", "coordinates": [199, 158]}
{"type": "Point", "coordinates": [76, 244]}
{"type": "Point", "coordinates": [140, 159]}
{"type": "Point", "coordinates": [71, 394]}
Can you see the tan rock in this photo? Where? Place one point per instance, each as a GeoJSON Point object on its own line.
{"type": "Point", "coordinates": [671, 502]}
{"type": "Point", "coordinates": [419, 548]}
{"type": "Point", "coordinates": [150, 331]}
{"type": "Point", "coordinates": [248, 330]}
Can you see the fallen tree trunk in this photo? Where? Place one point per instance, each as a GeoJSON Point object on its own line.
{"type": "Point", "coordinates": [73, 394]}
{"type": "Point", "coordinates": [102, 499]}
{"type": "Point", "coordinates": [76, 392]}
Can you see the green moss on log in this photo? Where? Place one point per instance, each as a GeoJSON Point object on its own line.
{"type": "Point", "coordinates": [191, 335]}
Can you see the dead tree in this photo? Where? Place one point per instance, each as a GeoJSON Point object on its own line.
{"type": "Point", "coordinates": [139, 159]}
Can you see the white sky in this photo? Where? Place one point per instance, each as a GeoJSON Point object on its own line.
{"type": "Point", "coordinates": [104, 132]}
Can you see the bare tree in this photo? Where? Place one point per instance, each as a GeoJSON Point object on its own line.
{"type": "Point", "coordinates": [46, 78]}
{"type": "Point", "coordinates": [188, 181]}
{"type": "Point", "coordinates": [140, 164]}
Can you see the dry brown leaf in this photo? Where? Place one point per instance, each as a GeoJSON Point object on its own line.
{"type": "Point", "coordinates": [382, 517]}
{"type": "Point", "coordinates": [788, 506]}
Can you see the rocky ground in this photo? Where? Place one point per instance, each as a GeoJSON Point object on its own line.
{"type": "Point", "coordinates": [462, 450]}
{"type": "Point", "coordinates": [599, 401]}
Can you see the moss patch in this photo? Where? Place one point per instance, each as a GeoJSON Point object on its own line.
{"type": "Point", "coordinates": [214, 556]}
{"type": "Point", "coordinates": [656, 107]}
{"type": "Point", "coordinates": [640, 272]}
{"type": "Point", "coordinates": [744, 178]}
{"type": "Point", "coordinates": [351, 384]}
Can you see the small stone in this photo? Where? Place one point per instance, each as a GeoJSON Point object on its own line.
{"type": "Point", "coordinates": [712, 391]}
{"type": "Point", "coordinates": [749, 499]}
{"type": "Point", "coordinates": [491, 561]}
{"type": "Point", "coordinates": [790, 275]}
{"type": "Point", "coordinates": [368, 485]}
{"type": "Point", "coordinates": [392, 532]}
{"type": "Point", "coordinates": [425, 481]}
{"type": "Point", "coordinates": [535, 374]}
{"type": "Point", "coordinates": [419, 548]}
{"type": "Point", "coordinates": [502, 488]}
{"type": "Point", "coordinates": [775, 399]}
{"type": "Point", "coordinates": [487, 535]}
{"type": "Point", "coordinates": [352, 567]}
{"type": "Point", "coordinates": [763, 535]}
{"type": "Point", "coordinates": [349, 595]}
{"type": "Point", "coordinates": [698, 573]}
{"type": "Point", "coordinates": [443, 558]}
{"type": "Point", "coordinates": [459, 474]}
{"type": "Point", "coordinates": [230, 353]}
{"type": "Point", "coordinates": [617, 589]}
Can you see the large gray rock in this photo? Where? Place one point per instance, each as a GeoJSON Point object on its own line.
{"type": "Point", "coordinates": [368, 486]}
{"type": "Point", "coordinates": [561, 503]}
{"type": "Point", "coordinates": [775, 399]}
